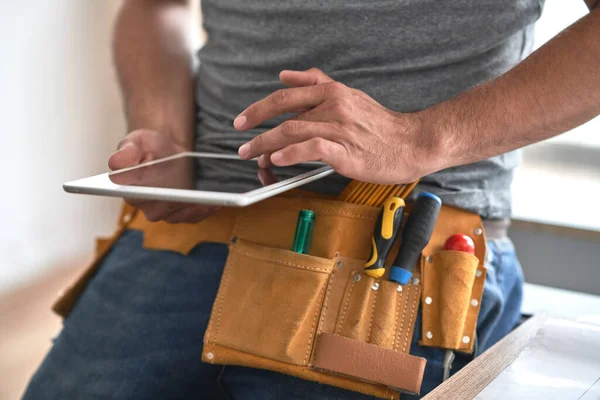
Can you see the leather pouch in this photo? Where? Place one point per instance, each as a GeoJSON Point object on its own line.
{"type": "Point", "coordinates": [377, 311]}
{"type": "Point", "coordinates": [452, 283]}
{"type": "Point", "coordinates": [269, 302]}
{"type": "Point", "coordinates": [450, 291]}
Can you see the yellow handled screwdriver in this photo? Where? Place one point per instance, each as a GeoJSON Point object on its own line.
{"type": "Point", "coordinates": [386, 229]}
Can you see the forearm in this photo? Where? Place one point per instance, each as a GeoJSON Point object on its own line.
{"type": "Point", "coordinates": [556, 89]}
{"type": "Point", "coordinates": [153, 55]}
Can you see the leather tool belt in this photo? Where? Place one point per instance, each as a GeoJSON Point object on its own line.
{"type": "Point", "coordinates": [318, 316]}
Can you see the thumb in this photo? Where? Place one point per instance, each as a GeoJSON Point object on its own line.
{"type": "Point", "coordinates": [310, 77]}
{"type": "Point", "coordinates": [128, 155]}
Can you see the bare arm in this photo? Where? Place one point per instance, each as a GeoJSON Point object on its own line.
{"type": "Point", "coordinates": [153, 55]}
{"type": "Point", "coordinates": [555, 89]}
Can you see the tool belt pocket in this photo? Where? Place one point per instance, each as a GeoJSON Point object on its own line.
{"type": "Point", "coordinates": [375, 311]}
{"type": "Point", "coordinates": [269, 302]}
{"type": "Point", "coordinates": [452, 289]}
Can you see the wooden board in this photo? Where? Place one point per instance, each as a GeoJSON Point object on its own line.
{"type": "Point", "coordinates": [547, 358]}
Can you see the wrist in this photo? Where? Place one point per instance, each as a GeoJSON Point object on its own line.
{"type": "Point", "coordinates": [435, 139]}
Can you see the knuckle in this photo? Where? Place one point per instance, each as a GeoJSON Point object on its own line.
{"type": "Point", "coordinates": [315, 70]}
{"type": "Point", "coordinates": [339, 105]}
{"type": "Point", "coordinates": [320, 146]}
{"type": "Point", "coordinates": [336, 88]}
{"type": "Point", "coordinates": [258, 142]}
{"type": "Point", "coordinates": [289, 128]}
{"type": "Point", "coordinates": [280, 97]}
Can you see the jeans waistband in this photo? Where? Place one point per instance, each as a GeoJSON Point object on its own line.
{"type": "Point", "coordinates": [496, 229]}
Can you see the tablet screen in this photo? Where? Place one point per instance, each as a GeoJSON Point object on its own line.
{"type": "Point", "coordinates": [196, 172]}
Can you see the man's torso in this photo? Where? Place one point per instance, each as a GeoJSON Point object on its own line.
{"type": "Point", "coordinates": [407, 55]}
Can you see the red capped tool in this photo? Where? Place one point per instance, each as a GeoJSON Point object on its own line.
{"type": "Point", "coordinates": [460, 242]}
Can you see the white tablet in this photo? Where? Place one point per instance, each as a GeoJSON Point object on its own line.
{"type": "Point", "coordinates": [197, 178]}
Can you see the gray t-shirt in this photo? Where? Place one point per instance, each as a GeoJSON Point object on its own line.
{"type": "Point", "coordinates": [407, 54]}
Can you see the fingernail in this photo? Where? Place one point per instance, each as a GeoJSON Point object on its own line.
{"type": "Point", "coordinates": [276, 157]}
{"type": "Point", "coordinates": [244, 150]}
{"type": "Point", "coordinates": [239, 122]}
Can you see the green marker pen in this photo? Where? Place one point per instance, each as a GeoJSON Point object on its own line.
{"type": "Point", "coordinates": [304, 230]}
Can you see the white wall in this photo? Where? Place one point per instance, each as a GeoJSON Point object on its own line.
{"type": "Point", "coordinates": [60, 119]}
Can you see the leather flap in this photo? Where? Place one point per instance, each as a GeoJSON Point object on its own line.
{"type": "Point", "coordinates": [225, 356]}
{"type": "Point", "coordinates": [369, 362]}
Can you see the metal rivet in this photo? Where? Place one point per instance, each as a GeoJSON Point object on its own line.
{"type": "Point", "coordinates": [429, 259]}
{"type": "Point", "coordinates": [356, 278]}
{"type": "Point", "coordinates": [126, 218]}
{"type": "Point", "coordinates": [339, 264]}
{"type": "Point", "coordinates": [429, 335]}
{"type": "Point", "coordinates": [474, 303]}
{"type": "Point", "coordinates": [415, 281]}
{"type": "Point", "coordinates": [466, 339]}
{"type": "Point", "coordinates": [234, 239]}
{"type": "Point", "coordinates": [478, 273]}
{"type": "Point", "coordinates": [375, 286]}
{"type": "Point", "coordinates": [399, 289]}
{"type": "Point", "coordinates": [210, 356]}
{"type": "Point", "coordinates": [428, 300]}
{"type": "Point", "coordinates": [478, 231]}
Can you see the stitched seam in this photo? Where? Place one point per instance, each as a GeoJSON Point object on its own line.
{"type": "Point", "coordinates": [303, 267]}
{"type": "Point", "coordinates": [403, 318]}
{"type": "Point", "coordinates": [325, 211]}
{"type": "Point", "coordinates": [312, 331]}
{"type": "Point", "coordinates": [372, 317]}
{"type": "Point", "coordinates": [343, 316]}
{"type": "Point", "coordinates": [326, 301]}
{"type": "Point", "coordinates": [220, 310]}
{"type": "Point", "coordinates": [472, 329]}
{"type": "Point", "coordinates": [396, 333]}
{"type": "Point", "coordinates": [324, 312]}
{"type": "Point", "coordinates": [411, 319]}
{"type": "Point", "coordinates": [335, 212]}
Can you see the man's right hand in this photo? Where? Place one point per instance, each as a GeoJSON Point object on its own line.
{"type": "Point", "coordinates": [141, 146]}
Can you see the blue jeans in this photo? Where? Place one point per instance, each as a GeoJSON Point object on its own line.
{"type": "Point", "coordinates": [137, 331]}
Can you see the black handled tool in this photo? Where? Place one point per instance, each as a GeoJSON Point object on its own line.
{"type": "Point", "coordinates": [415, 236]}
{"type": "Point", "coordinates": [386, 230]}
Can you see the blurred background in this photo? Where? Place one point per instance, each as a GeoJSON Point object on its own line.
{"type": "Point", "coordinates": [60, 119]}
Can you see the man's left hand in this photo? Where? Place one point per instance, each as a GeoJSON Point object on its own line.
{"type": "Point", "coordinates": [340, 126]}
